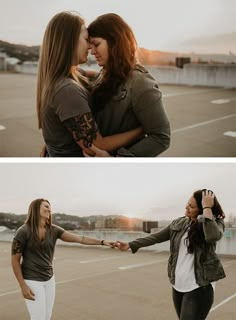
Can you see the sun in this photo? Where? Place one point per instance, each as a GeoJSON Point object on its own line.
{"type": "Point", "coordinates": [130, 215]}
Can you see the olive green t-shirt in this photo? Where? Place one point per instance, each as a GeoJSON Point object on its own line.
{"type": "Point", "coordinates": [69, 100]}
{"type": "Point", "coordinates": [38, 256]}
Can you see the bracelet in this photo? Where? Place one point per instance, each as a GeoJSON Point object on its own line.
{"type": "Point", "coordinates": [207, 208]}
{"type": "Point", "coordinates": [102, 242]}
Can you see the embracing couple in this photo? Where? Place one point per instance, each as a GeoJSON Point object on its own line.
{"type": "Point", "coordinates": [117, 111]}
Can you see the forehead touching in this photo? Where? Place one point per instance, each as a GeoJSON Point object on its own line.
{"type": "Point", "coordinates": [95, 40]}
{"type": "Point", "coordinates": [84, 31]}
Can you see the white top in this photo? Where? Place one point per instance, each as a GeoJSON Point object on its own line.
{"type": "Point", "coordinates": [184, 272]}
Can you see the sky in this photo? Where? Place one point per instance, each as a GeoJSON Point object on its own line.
{"type": "Point", "coordinates": [147, 190]}
{"type": "Point", "coordinates": [199, 26]}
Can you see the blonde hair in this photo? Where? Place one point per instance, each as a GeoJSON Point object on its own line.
{"type": "Point", "coordinates": [33, 217]}
{"type": "Point", "coordinates": [56, 55]}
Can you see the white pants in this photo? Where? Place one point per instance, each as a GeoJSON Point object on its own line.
{"type": "Point", "coordinates": [44, 294]}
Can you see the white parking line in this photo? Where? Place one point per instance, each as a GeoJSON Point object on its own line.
{"type": "Point", "coordinates": [230, 134]}
{"type": "Point", "coordinates": [203, 123]}
{"type": "Point", "coordinates": [99, 259]}
{"type": "Point", "coordinates": [8, 293]}
{"type": "Point", "coordinates": [220, 101]}
{"type": "Point", "coordinates": [140, 265]}
{"type": "Point", "coordinates": [223, 302]}
{"type": "Point", "coordinates": [90, 275]}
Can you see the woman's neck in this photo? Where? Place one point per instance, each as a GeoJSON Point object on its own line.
{"type": "Point", "coordinates": [42, 224]}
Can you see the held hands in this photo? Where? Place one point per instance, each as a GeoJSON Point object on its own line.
{"type": "Point", "coordinates": [98, 152]}
{"type": "Point", "coordinates": [27, 292]}
{"type": "Point", "coordinates": [108, 243]}
{"type": "Point", "coordinates": [122, 246]}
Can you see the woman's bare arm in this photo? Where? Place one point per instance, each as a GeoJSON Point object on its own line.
{"type": "Point", "coordinates": [16, 266]}
{"type": "Point", "coordinates": [71, 237]}
{"type": "Point", "coordinates": [85, 132]}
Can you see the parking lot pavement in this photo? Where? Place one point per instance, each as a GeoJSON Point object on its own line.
{"type": "Point", "coordinates": [203, 120]}
{"type": "Point", "coordinates": [98, 283]}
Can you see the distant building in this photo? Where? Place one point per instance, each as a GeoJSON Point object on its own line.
{"type": "Point", "coordinates": [100, 223]}
{"type": "Point", "coordinates": [148, 225]}
{"type": "Point", "coordinates": [27, 67]}
{"type": "Point", "coordinates": [3, 62]}
{"type": "Point", "coordinates": [181, 61]}
{"type": "Point", "coordinates": [11, 63]}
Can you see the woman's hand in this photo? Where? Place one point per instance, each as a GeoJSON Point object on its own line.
{"type": "Point", "coordinates": [98, 152]}
{"type": "Point", "coordinates": [27, 292]}
{"type": "Point", "coordinates": [89, 73]}
{"type": "Point", "coordinates": [110, 244]}
{"type": "Point", "coordinates": [43, 151]}
{"type": "Point", "coordinates": [123, 246]}
{"type": "Point", "coordinates": [207, 199]}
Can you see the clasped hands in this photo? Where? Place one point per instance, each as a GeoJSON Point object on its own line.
{"type": "Point", "coordinates": [123, 246]}
{"type": "Point", "coordinates": [97, 152]}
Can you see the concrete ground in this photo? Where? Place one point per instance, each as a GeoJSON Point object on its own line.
{"type": "Point", "coordinates": [99, 283]}
{"type": "Point", "coordinates": [203, 120]}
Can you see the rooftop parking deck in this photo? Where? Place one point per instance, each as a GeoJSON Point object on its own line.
{"type": "Point", "coordinates": [99, 283]}
{"type": "Point", "coordinates": [203, 119]}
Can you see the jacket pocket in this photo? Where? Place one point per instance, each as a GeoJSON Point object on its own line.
{"type": "Point", "coordinates": [213, 270]}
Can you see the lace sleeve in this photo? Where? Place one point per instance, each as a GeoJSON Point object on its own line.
{"type": "Point", "coordinates": [82, 127]}
{"type": "Point", "coordinates": [17, 247]}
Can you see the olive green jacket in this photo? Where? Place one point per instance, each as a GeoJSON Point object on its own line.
{"type": "Point", "coordinates": [138, 103]}
{"type": "Point", "coordinates": [207, 266]}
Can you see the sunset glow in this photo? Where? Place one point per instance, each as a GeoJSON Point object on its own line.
{"type": "Point", "coordinates": [162, 25]}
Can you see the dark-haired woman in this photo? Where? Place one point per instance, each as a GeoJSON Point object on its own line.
{"type": "Point", "coordinates": [124, 94]}
{"type": "Point", "coordinates": [32, 254]}
{"type": "Point", "coordinates": [193, 265]}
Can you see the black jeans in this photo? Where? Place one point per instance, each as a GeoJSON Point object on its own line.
{"type": "Point", "coordinates": [193, 305]}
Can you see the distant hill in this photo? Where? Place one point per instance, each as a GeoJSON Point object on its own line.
{"type": "Point", "coordinates": [155, 57]}
{"type": "Point", "coordinates": [71, 222]}
{"type": "Point", "coordinates": [31, 53]}
{"type": "Point", "coordinates": [146, 57]}
{"type": "Point", "coordinates": [21, 52]}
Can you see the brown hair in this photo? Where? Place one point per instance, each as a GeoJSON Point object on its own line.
{"type": "Point", "coordinates": [217, 210]}
{"type": "Point", "coordinates": [195, 234]}
{"type": "Point", "coordinates": [56, 55]}
{"type": "Point", "coordinates": [33, 217]}
{"type": "Point", "coordinates": [122, 47]}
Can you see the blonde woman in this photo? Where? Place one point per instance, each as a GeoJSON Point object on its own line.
{"type": "Point", "coordinates": [32, 254]}
{"type": "Point", "coordinates": [63, 101]}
